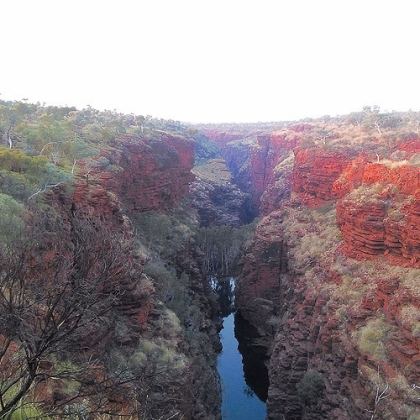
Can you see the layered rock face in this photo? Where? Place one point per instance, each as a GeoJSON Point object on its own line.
{"type": "Point", "coordinates": [381, 215]}
{"type": "Point", "coordinates": [382, 227]}
{"type": "Point", "coordinates": [134, 175]}
{"type": "Point", "coordinates": [155, 173]}
{"type": "Point", "coordinates": [314, 174]}
{"type": "Point", "coordinates": [328, 327]}
{"type": "Point", "coordinates": [269, 151]}
{"type": "Point", "coordinates": [258, 294]}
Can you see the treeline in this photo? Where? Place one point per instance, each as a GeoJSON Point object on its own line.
{"type": "Point", "coordinates": [65, 134]}
{"type": "Point", "coordinates": [222, 247]}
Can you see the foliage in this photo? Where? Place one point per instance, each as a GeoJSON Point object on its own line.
{"type": "Point", "coordinates": [11, 220]}
{"type": "Point", "coordinates": [165, 234]}
{"type": "Point", "coordinates": [22, 175]}
{"type": "Point", "coordinates": [372, 338]}
{"type": "Point", "coordinates": [65, 134]}
{"type": "Point", "coordinates": [49, 309]}
{"type": "Point", "coordinates": [222, 246]}
{"type": "Point", "coordinates": [29, 411]}
{"type": "Point", "coordinates": [312, 233]}
{"type": "Point", "coordinates": [310, 388]}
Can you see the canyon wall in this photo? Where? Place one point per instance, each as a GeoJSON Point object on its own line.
{"type": "Point", "coordinates": [330, 279]}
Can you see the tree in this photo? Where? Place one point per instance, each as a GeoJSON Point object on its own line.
{"type": "Point", "coordinates": [310, 388]}
{"type": "Point", "coordinates": [9, 118]}
{"type": "Point", "coordinates": [381, 393]}
{"type": "Point", "coordinates": [372, 118]}
{"type": "Point", "coordinates": [53, 312]}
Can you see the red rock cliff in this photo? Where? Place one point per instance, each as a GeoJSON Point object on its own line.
{"type": "Point", "coordinates": [338, 326]}
{"type": "Point", "coordinates": [151, 174]}
{"type": "Point", "coordinates": [379, 213]}
{"type": "Point", "coordinates": [315, 172]}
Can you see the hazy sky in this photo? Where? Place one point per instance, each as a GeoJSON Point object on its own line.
{"type": "Point", "coordinates": [213, 60]}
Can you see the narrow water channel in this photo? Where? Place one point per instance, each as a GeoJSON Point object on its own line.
{"type": "Point", "coordinates": [239, 395]}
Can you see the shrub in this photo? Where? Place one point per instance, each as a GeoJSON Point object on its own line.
{"type": "Point", "coordinates": [21, 175]}
{"type": "Point", "coordinates": [310, 388]}
{"type": "Point", "coordinates": [11, 222]}
{"type": "Point", "coordinates": [28, 411]}
{"type": "Point", "coordinates": [165, 234]}
{"type": "Point", "coordinates": [172, 290]}
{"type": "Point", "coordinates": [372, 338]}
{"type": "Point", "coordinates": [222, 246]}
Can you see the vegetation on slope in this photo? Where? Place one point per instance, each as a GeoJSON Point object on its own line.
{"type": "Point", "coordinates": [73, 340]}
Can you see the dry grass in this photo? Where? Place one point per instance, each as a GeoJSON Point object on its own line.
{"type": "Point", "coordinates": [410, 316]}
{"type": "Point", "coordinates": [394, 164]}
{"type": "Point", "coordinates": [214, 171]}
{"type": "Point", "coordinates": [365, 194]}
{"type": "Point", "coordinates": [372, 338]}
{"type": "Point", "coordinates": [286, 163]}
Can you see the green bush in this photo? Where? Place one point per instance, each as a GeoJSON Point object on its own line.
{"type": "Point", "coordinates": [372, 338]}
{"type": "Point", "coordinates": [26, 412]}
{"type": "Point", "coordinates": [310, 388]}
{"type": "Point", "coordinates": [165, 234]}
{"type": "Point", "coordinates": [11, 218]}
{"type": "Point", "coordinates": [172, 290]}
{"type": "Point", "coordinates": [21, 175]}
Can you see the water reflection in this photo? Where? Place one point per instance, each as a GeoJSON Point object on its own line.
{"type": "Point", "coordinates": [253, 358]}
{"type": "Point", "coordinates": [243, 376]}
{"type": "Point", "coordinates": [225, 289]}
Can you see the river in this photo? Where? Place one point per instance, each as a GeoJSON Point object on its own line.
{"type": "Point", "coordinates": [239, 390]}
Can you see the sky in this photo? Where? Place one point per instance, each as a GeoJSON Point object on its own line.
{"type": "Point", "coordinates": [213, 60]}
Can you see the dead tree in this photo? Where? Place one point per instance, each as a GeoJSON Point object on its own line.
{"type": "Point", "coordinates": [57, 308]}
{"type": "Point", "coordinates": [381, 393]}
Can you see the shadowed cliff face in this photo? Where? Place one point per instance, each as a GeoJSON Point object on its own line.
{"type": "Point", "coordinates": [217, 199]}
{"type": "Point", "coordinates": [329, 282]}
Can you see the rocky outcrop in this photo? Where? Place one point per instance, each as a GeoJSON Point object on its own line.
{"type": "Point", "coordinates": [361, 171]}
{"type": "Point", "coordinates": [145, 174]}
{"type": "Point", "coordinates": [255, 163]}
{"type": "Point", "coordinates": [217, 200]}
{"type": "Point", "coordinates": [155, 173]}
{"type": "Point", "coordinates": [384, 226]}
{"type": "Point", "coordinates": [269, 151]}
{"type": "Point", "coordinates": [314, 324]}
{"type": "Point", "coordinates": [380, 214]}
{"type": "Point", "coordinates": [314, 173]}
{"type": "Point", "coordinates": [136, 175]}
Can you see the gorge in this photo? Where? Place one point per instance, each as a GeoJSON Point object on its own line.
{"type": "Point", "coordinates": [318, 221]}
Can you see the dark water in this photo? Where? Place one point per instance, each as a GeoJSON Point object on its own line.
{"type": "Point", "coordinates": [242, 394]}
